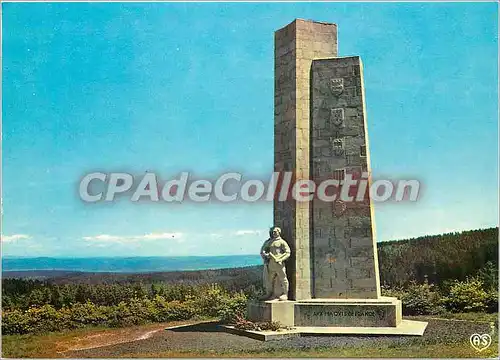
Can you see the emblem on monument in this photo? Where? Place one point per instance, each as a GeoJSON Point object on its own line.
{"type": "Point", "coordinates": [337, 146]}
{"type": "Point", "coordinates": [337, 117]}
{"type": "Point", "coordinates": [336, 86]}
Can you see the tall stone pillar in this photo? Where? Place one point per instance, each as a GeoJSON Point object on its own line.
{"type": "Point", "coordinates": [343, 246]}
{"type": "Point", "coordinates": [296, 46]}
{"type": "Point", "coordinates": [320, 134]}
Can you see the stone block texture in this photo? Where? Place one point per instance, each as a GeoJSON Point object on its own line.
{"type": "Point", "coordinates": [343, 247]}
{"type": "Point", "coordinates": [279, 311]}
{"type": "Point", "coordinates": [296, 46]}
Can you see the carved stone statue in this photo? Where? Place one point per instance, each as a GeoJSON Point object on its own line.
{"type": "Point", "coordinates": [274, 252]}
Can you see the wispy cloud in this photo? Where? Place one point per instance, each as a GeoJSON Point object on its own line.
{"type": "Point", "coordinates": [162, 236]}
{"type": "Point", "coordinates": [105, 238]}
{"type": "Point", "coordinates": [15, 237]}
{"type": "Point", "coordinates": [247, 232]}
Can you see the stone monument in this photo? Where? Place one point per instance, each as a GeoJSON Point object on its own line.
{"type": "Point", "coordinates": [320, 132]}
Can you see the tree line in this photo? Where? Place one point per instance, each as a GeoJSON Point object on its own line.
{"type": "Point", "coordinates": [438, 258]}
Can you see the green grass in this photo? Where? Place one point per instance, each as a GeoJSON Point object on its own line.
{"type": "Point", "coordinates": [414, 351]}
{"type": "Point", "coordinates": [40, 346]}
{"type": "Point", "coordinates": [472, 316]}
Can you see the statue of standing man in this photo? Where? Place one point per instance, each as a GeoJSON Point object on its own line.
{"type": "Point", "coordinates": [274, 252]}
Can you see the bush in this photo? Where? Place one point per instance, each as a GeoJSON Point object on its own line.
{"type": "Point", "coordinates": [421, 299]}
{"type": "Point", "coordinates": [492, 301]}
{"type": "Point", "coordinates": [244, 324]}
{"type": "Point", "coordinates": [179, 292]}
{"type": "Point", "coordinates": [15, 322]}
{"type": "Point", "coordinates": [214, 301]}
{"type": "Point", "coordinates": [392, 292]}
{"type": "Point", "coordinates": [162, 309]}
{"type": "Point", "coordinates": [87, 314]}
{"type": "Point", "coordinates": [233, 308]}
{"type": "Point", "coordinates": [270, 325]}
{"type": "Point", "coordinates": [177, 310]}
{"type": "Point", "coordinates": [128, 313]}
{"type": "Point", "coordinates": [45, 318]}
{"type": "Point", "coordinates": [417, 299]}
{"type": "Point", "coordinates": [210, 300]}
{"type": "Point", "coordinates": [136, 311]}
{"type": "Point", "coordinates": [466, 296]}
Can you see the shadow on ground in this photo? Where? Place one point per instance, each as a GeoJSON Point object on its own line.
{"type": "Point", "coordinates": [206, 327]}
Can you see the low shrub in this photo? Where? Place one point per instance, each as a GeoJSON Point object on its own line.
{"type": "Point", "coordinates": [492, 301]}
{"type": "Point", "coordinates": [177, 310]}
{"type": "Point", "coordinates": [270, 325]}
{"type": "Point", "coordinates": [15, 322]}
{"type": "Point", "coordinates": [128, 314]}
{"type": "Point", "coordinates": [210, 300]}
{"type": "Point", "coordinates": [87, 314]}
{"type": "Point", "coordinates": [392, 292]}
{"type": "Point", "coordinates": [417, 299]}
{"type": "Point", "coordinates": [136, 311]}
{"type": "Point", "coordinates": [421, 299]}
{"type": "Point", "coordinates": [245, 324]}
{"type": "Point", "coordinates": [233, 308]}
{"type": "Point", "coordinates": [466, 296]}
{"type": "Point", "coordinates": [35, 320]}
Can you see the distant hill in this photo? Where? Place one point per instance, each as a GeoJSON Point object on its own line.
{"type": "Point", "coordinates": [40, 274]}
{"type": "Point", "coordinates": [134, 264]}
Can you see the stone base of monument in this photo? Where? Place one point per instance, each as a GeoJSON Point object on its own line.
{"type": "Point", "coordinates": [274, 310]}
{"type": "Point", "coordinates": [380, 316]}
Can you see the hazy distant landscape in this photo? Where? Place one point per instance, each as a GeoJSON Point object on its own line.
{"type": "Point", "coordinates": [126, 264]}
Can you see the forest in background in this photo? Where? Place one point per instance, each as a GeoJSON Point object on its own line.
{"type": "Point", "coordinates": [439, 258]}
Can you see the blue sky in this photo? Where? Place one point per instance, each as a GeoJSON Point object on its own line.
{"type": "Point", "coordinates": [170, 87]}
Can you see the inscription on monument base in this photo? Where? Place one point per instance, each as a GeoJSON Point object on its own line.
{"type": "Point", "coordinates": [381, 314]}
